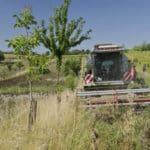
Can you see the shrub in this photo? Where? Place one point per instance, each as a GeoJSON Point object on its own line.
{"type": "Point", "coordinates": [72, 65]}
{"type": "Point", "coordinates": [70, 82]}
{"type": "Point", "coordinates": [138, 83]}
{"type": "Point", "coordinates": [9, 66]}
{"type": "Point", "coordinates": [1, 56]}
{"type": "Point", "coordinates": [19, 65]}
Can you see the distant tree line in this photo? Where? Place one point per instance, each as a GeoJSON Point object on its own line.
{"type": "Point", "coordinates": [8, 52]}
{"type": "Point", "coordinates": [143, 47]}
{"type": "Point", "coordinates": [77, 52]}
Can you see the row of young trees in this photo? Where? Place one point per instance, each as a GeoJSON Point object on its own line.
{"type": "Point", "coordinates": [58, 37]}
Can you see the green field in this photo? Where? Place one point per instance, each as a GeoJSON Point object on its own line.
{"type": "Point", "coordinates": [139, 58]}
{"type": "Point", "coordinates": [13, 80]}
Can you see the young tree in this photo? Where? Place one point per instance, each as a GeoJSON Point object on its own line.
{"type": "Point", "coordinates": [23, 46]}
{"type": "Point", "coordinates": [62, 34]}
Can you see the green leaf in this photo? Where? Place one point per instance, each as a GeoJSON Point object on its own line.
{"type": "Point", "coordinates": [61, 34]}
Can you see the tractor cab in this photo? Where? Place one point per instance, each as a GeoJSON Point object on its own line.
{"type": "Point", "coordinates": [108, 65]}
{"type": "Point", "coordinates": [108, 74]}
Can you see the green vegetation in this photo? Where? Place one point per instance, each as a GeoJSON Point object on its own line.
{"type": "Point", "coordinates": [2, 57]}
{"type": "Point", "coordinates": [144, 47]}
{"type": "Point", "coordinates": [78, 52]}
{"type": "Point", "coordinates": [139, 58]}
{"type": "Point", "coordinates": [14, 82]}
{"type": "Point", "coordinates": [71, 128]}
{"type": "Point", "coordinates": [19, 65]}
{"type": "Point", "coordinates": [72, 66]}
{"type": "Point", "coordinates": [62, 34]}
{"type": "Point", "coordinates": [23, 46]}
{"type": "Point", "coordinates": [67, 127]}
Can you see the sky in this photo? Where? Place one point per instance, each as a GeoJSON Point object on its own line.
{"type": "Point", "coordinates": [121, 22]}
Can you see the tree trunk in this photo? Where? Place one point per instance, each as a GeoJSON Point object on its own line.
{"type": "Point", "coordinates": [33, 108]}
{"type": "Point", "coordinates": [58, 84]}
{"type": "Point", "coordinates": [58, 76]}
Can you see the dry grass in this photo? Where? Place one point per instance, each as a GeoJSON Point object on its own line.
{"type": "Point", "coordinates": [64, 128]}
{"type": "Point", "coordinates": [53, 129]}
{"type": "Point", "coordinates": [9, 56]}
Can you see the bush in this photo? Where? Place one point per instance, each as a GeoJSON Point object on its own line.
{"type": "Point", "coordinates": [138, 83]}
{"type": "Point", "coordinates": [72, 65]}
{"type": "Point", "coordinates": [19, 65]}
{"type": "Point", "coordinates": [70, 82]}
{"type": "Point", "coordinates": [1, 56]}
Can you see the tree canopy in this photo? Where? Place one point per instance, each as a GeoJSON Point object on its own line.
{"type": "Point", "coordinates": [62, 33]}
{"type": "Point", "coordinates": [24, 44]}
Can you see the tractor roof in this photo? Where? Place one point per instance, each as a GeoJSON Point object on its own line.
{"type": "Point", "coordinates": [104, 48]}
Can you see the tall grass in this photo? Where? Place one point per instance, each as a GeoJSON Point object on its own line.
{"type": "Point", "coordinates": [68, 128]}
{"type": "Point", "coordinates": [53, 129]}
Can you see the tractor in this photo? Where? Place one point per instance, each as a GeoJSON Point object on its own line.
{"type": "Point", "coordinates": [108, 74]}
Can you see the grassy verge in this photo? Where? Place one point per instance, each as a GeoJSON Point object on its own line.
{"type": "Point", "coordinates": [68, 129]}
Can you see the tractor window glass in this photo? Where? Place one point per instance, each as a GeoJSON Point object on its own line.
{"type": "Point", "coordinates": [107, 63]}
